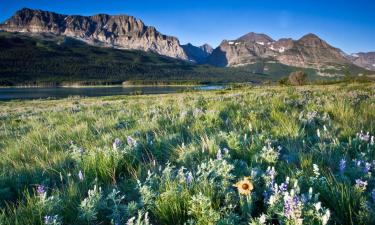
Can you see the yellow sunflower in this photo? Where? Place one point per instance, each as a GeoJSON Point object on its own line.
{"type": "Point", "coordinates": [244, 186]}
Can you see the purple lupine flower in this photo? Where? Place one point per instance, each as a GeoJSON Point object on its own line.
{"type": "Point", "coordinates": [131, 141]}
{"type": "Point", "coordinates": [80, 175]}
{"type": "Point", "coordinates": [360, 184]}
{"type": "Point", "coordinates": [342, 165]}
{"type": "Point", "coordinates": [283, 187]}
{"type": "Point", "coordinates": [288, 206]}
{"type": "Point", "coordinates": [189, 178]}
{"type": "Point", "coordinates": [40, 190]}
{"type": "Point", "coordinates": [367, 167]}
{"type": "Point", "coordinates": [219, 156]}
{"type": "Point", "coordinates": [271, 172]}
{"type": "Point", "coordinates": [373, 195]}
{"type": "Point", "coordinates": [116, 144]}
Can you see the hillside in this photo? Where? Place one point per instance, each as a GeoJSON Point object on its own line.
{"type": "Point", "coordinates": [55, 60]}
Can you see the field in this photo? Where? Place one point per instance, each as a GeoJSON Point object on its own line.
{"type": "Point", "coordinates": [248, 155]}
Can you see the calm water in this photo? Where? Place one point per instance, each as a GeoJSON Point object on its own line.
{"type": "Point", "coordinates": [63, 92]}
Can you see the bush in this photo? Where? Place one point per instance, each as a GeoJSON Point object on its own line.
{"type": "Point", "coordinates": [297, 78]}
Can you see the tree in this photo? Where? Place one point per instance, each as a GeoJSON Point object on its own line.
{"type": "Point", "coordinates": [297, 78]}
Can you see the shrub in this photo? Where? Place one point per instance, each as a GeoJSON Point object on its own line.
{"type": "Point", "coordinates": [297, 78]}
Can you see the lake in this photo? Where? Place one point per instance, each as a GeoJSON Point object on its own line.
{"type": "Point", "coordinates": [63, 92]}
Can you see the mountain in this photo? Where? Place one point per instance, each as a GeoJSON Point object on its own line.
{"type": "Point", "coordinates": [122, 31]}
{"type": "Point", "coordinates": [197, 54]}
{"type": "Point", "coordinates": [48, 59]}
{"type": "Point", "coordinates": [364, 59]}
{"type": "Point", "coordinates": [254, 37]}
{"type": "Point", "coordinates": [308, 52]}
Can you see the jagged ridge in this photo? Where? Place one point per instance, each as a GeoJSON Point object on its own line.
{"type": "Point", "coordinates": [121, 31]}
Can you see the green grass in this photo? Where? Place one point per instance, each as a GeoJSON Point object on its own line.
{"type": "Point", "coordinates": [48, 142]}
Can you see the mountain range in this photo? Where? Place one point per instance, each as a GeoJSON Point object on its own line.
{"type": "Point", "coordinates": [129, 33]}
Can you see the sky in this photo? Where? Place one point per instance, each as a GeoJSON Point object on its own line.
{"type": "Point", "coordinates": [349, 25]}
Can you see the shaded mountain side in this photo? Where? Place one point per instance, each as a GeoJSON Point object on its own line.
{"type": "Point", "coordinates": [197, 54]}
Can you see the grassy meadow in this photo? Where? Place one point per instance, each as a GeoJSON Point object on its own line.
{"type": "Point", "coordinates": [248, 155]}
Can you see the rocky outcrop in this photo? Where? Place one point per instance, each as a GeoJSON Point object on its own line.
{"type": "Point", "coordinates": [120, 31]}
{"type": "Point", "coordinates": [363, 59]}
{"type": "Point", "coordinates": [197, 54]}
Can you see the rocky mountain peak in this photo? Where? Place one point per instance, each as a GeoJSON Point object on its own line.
{"type": "Point", "coordinates": [255, 37]}
{"type": "Point", "coordinates": [119, 31]}
{"type": "Point", "coordinates": [207, 48]}
{"type": "Point", "coordinates": [312, 40]}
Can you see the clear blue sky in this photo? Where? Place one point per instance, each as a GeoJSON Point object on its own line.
{"type": "Point", "coordinates": [349, 25]}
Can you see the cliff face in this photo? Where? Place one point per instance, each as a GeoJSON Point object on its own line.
{"type": "Point", "coordinates": [309, 52]}
{"type": "Point", "coordinates": [120, 31]}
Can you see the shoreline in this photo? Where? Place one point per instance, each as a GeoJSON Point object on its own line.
{"type": "Point", "coordinates": [101, 86]}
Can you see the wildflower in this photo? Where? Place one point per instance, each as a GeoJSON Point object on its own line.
{"type": "Point", "coordinates": [47, 219]}
{"type": "Point", "coordinates": [116, 144]}
{"type": "Point", "coordinates": [367, 167]}
{"type": "Point", "coordinates": [284, 186]}
{"type": "Point", "coordinates": [364, 137]}
{"type": "Point", "coordinates": [373, 195]}
{"type": "Point", "coordinates": [292, 206]}
{"type": "Point", "coordinates": [262, 219]}
{"type": "Point", "coordinates": [326, 217]}
{"type": "Point", "coordinates": [40, 190]}
{"type": "Point", "coordinates": [316, 170]}
{"type": "Point", "coordinates": [318, 133]}
{"type": "Point", "coordinates": [271, 172]}
{"type": "Point", "coordinates": [80, 175]}
{"type": "Point", "coordinates": [219, 156]}
{"type": "Point", "coordinates": [189, 178]}
{"type": "Point", "coordinates": [342, 165]}
{"type": "Point", "coordinates": [226, 151]}
{"type": "Point", "coordinates": [360, 184]}
{"type": "Point", "coordinates": [244, 186]}
{"type": "Point", "coordinates": [131, 142]}
{"type": "Point", "coordinates": [318, 206]}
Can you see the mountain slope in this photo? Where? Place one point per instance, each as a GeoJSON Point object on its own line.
{"type": "Point", "coordinates": [364, 59]}
{"type": "Point", "coordinates": [120, 31]}
{"type": "Point", "coordinates": [197, 54]}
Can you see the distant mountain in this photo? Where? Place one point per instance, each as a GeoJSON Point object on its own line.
{"type": "Point", "coordinates": [363, 59]}
{"type": "Point", "coordinates": [254, 37]}
{"type": "Point", "coordinates": [258, 55]}
{"type": "Point", "coordinates": [197, 54]}
{"type": "Point", "coordinates": [48, 59]}
{"type": "Point", "coordinates": [120, 31]}
{"type": "Point", "coordinates": [308, 52]}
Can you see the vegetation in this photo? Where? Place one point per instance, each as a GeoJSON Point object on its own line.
{"type": "Point", "coordinates": [50, 60]}
{"type": "Point", "coordinates": [250, 155]}
{"type": "Point", "coordinates": [297, 78]}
